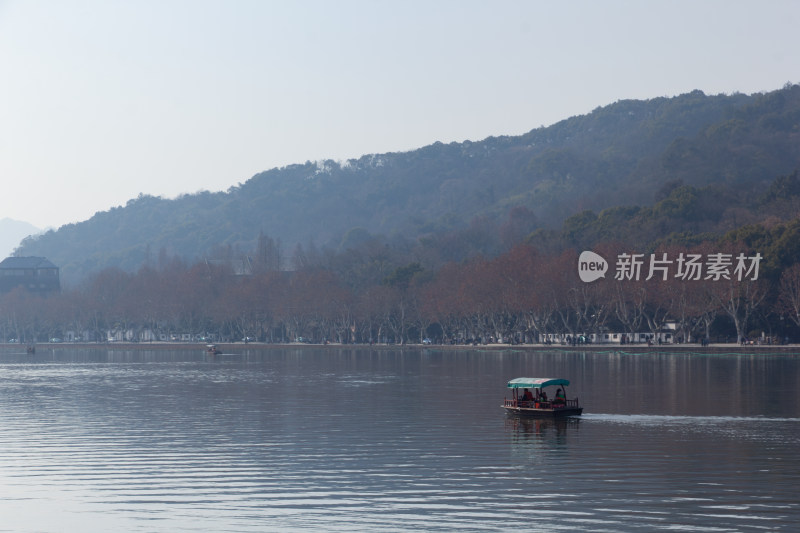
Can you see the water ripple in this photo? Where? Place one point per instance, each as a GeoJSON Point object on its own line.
{"type": "Point", "coordinates": [238, 446]}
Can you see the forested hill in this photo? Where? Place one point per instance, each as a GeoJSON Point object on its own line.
{"type": "Point", "coordinates": [627, 153]}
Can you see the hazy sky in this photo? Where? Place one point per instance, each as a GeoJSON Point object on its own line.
{"type": "Point", "coordinates": [103, 100]}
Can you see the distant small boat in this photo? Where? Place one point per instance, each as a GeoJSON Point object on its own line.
{"type": "Point", "coordinates": [212, 349]}
{"type": "Point", "coordinates": [533, 400]}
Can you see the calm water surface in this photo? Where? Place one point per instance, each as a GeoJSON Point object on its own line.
{"type": "Point", "coordinates": [362, 440]}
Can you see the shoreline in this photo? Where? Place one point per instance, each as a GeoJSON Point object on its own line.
{"type": "Point", "coordinates": [631, 349]}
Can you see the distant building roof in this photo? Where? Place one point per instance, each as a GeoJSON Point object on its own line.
{"type": "Point", "coordinates": [26, 262]}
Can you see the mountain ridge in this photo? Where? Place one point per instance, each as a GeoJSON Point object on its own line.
{"type": "Point", "coordinates": [620, 154]}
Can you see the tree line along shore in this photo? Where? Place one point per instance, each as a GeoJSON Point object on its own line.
{"type": "Point", "coordinates": [522, 297]}
{"type": "Point", "coordinates": [234, 348]}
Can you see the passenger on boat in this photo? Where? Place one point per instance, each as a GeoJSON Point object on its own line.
{"type": "Point", "coordinates": [560, 397]}
{"type": "Point", "coordinates": [527, 397]}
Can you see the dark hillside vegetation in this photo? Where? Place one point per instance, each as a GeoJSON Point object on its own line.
{"type": "Point", "coordinates": [465, 242]}
{"type": "Point", "coordinates": [644, 171]}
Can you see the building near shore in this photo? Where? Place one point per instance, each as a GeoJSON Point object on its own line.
{"type": "Point", "coordinates": [34, 274]}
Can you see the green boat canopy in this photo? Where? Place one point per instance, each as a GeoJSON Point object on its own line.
{"type": "Point", "coordinates": [536, 383]}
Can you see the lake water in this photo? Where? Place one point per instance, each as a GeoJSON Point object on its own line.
{"type": "Point", "coordinates": [330, 439]}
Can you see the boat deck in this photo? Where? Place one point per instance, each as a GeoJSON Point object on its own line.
{"type": "Point", "coordinates": [543, 409]}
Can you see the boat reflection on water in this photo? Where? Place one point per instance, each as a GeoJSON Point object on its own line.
{"type": "Point", "coordinates": [542, 429]}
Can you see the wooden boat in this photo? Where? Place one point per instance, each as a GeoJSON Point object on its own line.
{"type": "Point", "coordinates": [528, 398]}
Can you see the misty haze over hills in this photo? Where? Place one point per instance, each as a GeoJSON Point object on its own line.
{"type": "Point", "coordinates": [11, 234]}
{"type": "Point", "coordinates": [628, 153]}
